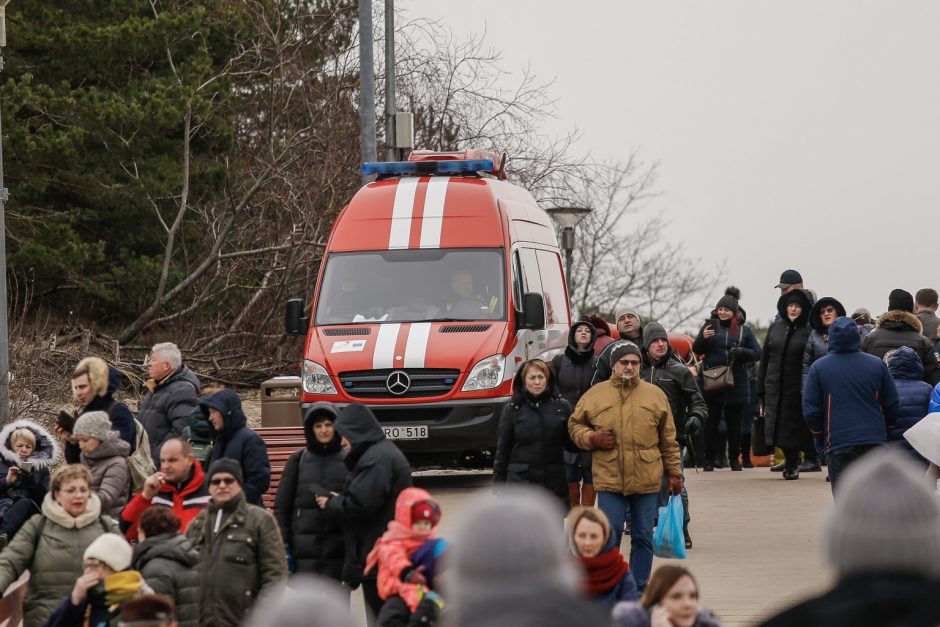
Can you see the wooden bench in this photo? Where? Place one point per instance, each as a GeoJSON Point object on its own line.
{"type": "Point", "coordinates": [281, 443]}
{"type": "Point", "coordinates": [11, 605]}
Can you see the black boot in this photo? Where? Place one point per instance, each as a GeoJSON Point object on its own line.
{"type": "Point", "coordinates": [746, 451]}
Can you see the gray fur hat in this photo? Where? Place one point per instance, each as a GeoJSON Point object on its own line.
{"type": "Point", "coordinates": [93, 424]}
{"type": "Point", "coordinates": [885, 519]}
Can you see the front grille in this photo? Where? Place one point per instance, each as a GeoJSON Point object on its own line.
{"type": "Point", "coordinates": [425, 382]}
{"type": "Point", "coordinates": [465, 328]}
{"type": "Point", "coordinates": [350, 331]}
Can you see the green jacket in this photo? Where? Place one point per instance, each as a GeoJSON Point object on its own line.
{"type": "Point", "coordinates": [240, 562]}
{"type": "Point", "coordinates": [55, 558]}
{"type": "Point", "coordinates": [167, 563]}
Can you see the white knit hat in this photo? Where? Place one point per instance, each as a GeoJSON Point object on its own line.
{"type": "Point", "coordinates": [94, 424]}
{"type": "Point", "coordinates": [885, 519]}
{"type": "Point", "coordinates": [111, 549]}
{"type": "Point", "coordinates": [511, 543]}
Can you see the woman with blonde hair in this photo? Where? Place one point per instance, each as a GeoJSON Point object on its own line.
{"type": "Point", "coordinates": [607, 575]}
{"type": "Point", "coordinates": [52, 545]}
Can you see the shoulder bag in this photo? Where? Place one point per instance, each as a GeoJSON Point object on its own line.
{"type": "Point", "coordinates": [720, 378]}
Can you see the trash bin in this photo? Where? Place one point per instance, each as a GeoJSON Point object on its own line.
{"type": "Point", "coordinates": [280, 402]}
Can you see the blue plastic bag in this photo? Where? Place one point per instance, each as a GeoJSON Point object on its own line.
{"type": "Point", "coordinates": [668, 538]}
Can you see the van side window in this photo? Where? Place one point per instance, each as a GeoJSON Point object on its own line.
{"type": "Point", "coordinates": [516, 280]}
{"type": "Point", "coordinates": [530, 270]}
{"type": "Point", "coordinates": [553, 286]}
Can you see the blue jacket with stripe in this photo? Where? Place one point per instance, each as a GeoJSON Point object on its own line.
{"type": "Point", "coordinates": [849, 398]}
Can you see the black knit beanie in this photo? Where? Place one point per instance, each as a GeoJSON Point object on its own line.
{"type": "Point", "coordinates": [900, 300]}
{"type": "Point", "coordinates": [730, 299]}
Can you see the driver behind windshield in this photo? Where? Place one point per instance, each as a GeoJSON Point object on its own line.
{"type": "Point", "coordinates": [464, 303]}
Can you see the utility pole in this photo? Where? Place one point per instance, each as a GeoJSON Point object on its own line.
{"type": "Point", "coordinates": [4, 327]}
{"type": "Point", "coordinates": [391, 152]}
{"type": "Point", "coordinates": [366, 87]}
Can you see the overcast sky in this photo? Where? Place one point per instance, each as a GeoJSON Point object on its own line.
{"type": "Point", "coordinates": [799, 134]}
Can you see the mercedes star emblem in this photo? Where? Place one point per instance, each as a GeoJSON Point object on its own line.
{"type": "Point", "coordinates": [398, 382]}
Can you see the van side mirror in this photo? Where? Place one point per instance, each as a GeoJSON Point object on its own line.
{"type": "Point", "coordinates": [533, 311]}
{"type": "Point", "coordinates": [295, 322]}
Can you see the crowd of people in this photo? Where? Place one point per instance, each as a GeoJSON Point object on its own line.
{"type": "Point", "coordinates": [160, 519]}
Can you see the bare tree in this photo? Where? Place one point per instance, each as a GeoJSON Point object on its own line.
{"type": "Point", "coordinates": [625, 258]}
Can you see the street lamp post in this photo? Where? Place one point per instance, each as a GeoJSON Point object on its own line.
{"type": "Point", "coordinates": [4, 331]}
{"type": "Point", "coordinates": [567, 219]}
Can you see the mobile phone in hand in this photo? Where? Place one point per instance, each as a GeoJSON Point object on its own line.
{"type": "Point", "coordinates": [65, 421]}
{"type": "Point", "coordinates": [319, 490]}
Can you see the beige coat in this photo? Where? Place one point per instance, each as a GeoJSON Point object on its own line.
{"type": "Point", "coordinates": [645, 434]}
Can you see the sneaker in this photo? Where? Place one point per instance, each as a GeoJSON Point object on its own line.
{"type": "Point", "coordinates": [736, 466]}
{"type": "Point", "coordinates": [778, 467]}
{"type": "Point", "coordinates": [791, 475]}
{"type": "Point", "coordinates": [810, 467]}
{"type": "Point", "coordinates": [688, 539]}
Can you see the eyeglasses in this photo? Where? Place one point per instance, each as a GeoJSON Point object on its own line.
{"type": "Point", "coordinates": [826, 310]}
{"type": "Point", "coordinates": [222, 481]}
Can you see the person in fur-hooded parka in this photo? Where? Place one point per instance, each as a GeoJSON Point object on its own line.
{"type": "Point", "coordinates": [900, 327]}
{"type": "Point", "coordinates": [23, 482]}
{"type": "Point", "coordinates": [103, 381]}
{"type": "Point", "coordinates": [533, 433]}
{"type": "Point", "coordinates": [780, 379]}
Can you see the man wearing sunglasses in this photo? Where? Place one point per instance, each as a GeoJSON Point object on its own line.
{"type": "Point", "coordinates": [241, 555]}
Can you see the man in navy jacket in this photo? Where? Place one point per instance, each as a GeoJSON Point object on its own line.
{"type": "Point", "coordinates": [849, 399]}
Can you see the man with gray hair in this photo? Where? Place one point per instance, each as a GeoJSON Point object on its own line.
{"type": "Point", "coordinates": [173, 391]}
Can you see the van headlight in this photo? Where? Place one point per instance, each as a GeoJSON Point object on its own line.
{"type": "Point", "coordinates": [315, 379]}
{"type": "Point", "coordinates": [486, 374]}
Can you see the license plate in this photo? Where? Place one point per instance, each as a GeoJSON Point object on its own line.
{"type": "Point", "coordinates": [406, 432]}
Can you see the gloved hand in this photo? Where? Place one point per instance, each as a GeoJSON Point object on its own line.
{"type": "Point", "coordinates": [414, 575]}
{"type": "Point", "coordinates": [603, 439]}
{"type": "Point", "coordinates": [734, 354]}
{"type": "Point", "coordinates": [693, 425]}
{"type": "Point", "coordinates": [675, 484]}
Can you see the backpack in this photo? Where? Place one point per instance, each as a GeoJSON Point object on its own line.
{"type": "Point", "coordinates": [200, 435]}
{"type": "Point", "coordinates": [139, 463]}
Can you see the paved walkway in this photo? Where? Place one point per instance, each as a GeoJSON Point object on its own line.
{"type": "Point", "coordinates": [756, 541]}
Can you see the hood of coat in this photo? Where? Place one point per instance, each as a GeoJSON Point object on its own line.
{"type": "Point", "coordinates": [114, 446]}
{"type": "Point", "coordinates": [45, 452]}
{"type": "Point", "coordinates": [580, 355]}
{"type": "Point", "coordinates": [805, 301]}
{"type": "Point", "coordinates": [815, 318]}
{"type": "Point", "coordinates": [904, 363]}
{"type": "Point", "coordinates": [170, 546]}
{"type": "Point", "coordinates": [57, 514]}
{"type": "Point", "coordinates": [601, 328]}
{"type": "Point", "coordinates": [521, 395]}
{"type": "Point", "coordinates": [408, 498]}
{"type": "Point", "coordinates": [843, 336]}
{"type": "Point", "coordinates": [230, 406]}
{"type": "Point", "coordinates": [899, 320]}
{"type": "Point", "coordinates": [358, 424]}
{"type": "Point", "coordinates": [315, 412]}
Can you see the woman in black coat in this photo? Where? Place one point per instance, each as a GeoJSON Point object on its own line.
{"type": "Point", "coordinates": [572, 372]}
{"type": "Point", "coordinates": [313, 540]}
{"type": "Point", "coordinates": [732, 344]}
{"type": "Point", "coordinates": [780, 380]}
{"type": "Point", "coordinates": [533, 432]}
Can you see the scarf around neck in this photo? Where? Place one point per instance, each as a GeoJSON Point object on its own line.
{"type": "Point", "coordinates": [604, 571]}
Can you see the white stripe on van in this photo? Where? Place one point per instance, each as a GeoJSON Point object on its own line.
{"type": "Point", "coordinates": [417, 346]}
{"type": "Point", "coordinates": [433, 217]}
{"type": "Point", "coordinates": [402, 210]}
{"type": "Point", "coordinates": [384, 355]}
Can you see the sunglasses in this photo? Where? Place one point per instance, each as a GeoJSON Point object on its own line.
{"type": "Point", "coordinates": [222, 481]}
{"type": "Point", "coordinates": [826, 310]}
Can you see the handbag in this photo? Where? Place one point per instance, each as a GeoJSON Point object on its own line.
{"type": "Point", "coordinates": [759, 446]}
{"type": "Point", "coordinates": [720, 378]}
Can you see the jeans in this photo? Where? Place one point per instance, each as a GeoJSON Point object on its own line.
{"type": "Point", "coordinates": [664, 491]}
{"type": "Point", "coordinates": [575, 473]}
{"type": "Point", "coordinates": [842, 458]}
{"type": "Point", "coordinates": [642, 511]}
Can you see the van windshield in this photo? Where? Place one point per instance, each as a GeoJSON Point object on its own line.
{"type": "Point", "coordinates": [412, 286]}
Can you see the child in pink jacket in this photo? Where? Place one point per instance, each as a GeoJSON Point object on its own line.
{"type": "Point", "coordinates": [406, 555]}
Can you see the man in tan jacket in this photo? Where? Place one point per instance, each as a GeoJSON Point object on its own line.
{"type": "Point", "coordinates": [627, 424]}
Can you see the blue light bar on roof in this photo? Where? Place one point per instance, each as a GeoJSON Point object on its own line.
{"type": "Point", "coordinates": [385, 168]}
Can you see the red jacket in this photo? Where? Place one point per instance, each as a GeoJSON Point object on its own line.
{"type": "Point", "coordinates": [187, 502]}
